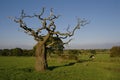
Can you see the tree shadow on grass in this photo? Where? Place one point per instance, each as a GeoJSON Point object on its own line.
{"type": "Point", "coordinates": [53, 67]}
{"type": "Point", "coordinates": [28, 69]}
{"type": "Point", "coordinates": [69, 64]}
{"type": "Point", "coordinates": [82, 61]}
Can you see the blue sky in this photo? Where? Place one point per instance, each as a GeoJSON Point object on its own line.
{"type": "Point", "coordinates": [102, 32]}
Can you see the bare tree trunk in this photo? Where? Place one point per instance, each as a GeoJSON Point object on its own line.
{"type": "Point", "coordinates": [41, 58]}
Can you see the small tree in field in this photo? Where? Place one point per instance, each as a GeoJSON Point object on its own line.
{"type": "Point", "coordinates": [49, 38]}
{"type": "Point", "coordinates": [115, 51]}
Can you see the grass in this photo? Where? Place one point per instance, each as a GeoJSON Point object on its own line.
{"type": "Point", "coordinates": [22, 68]}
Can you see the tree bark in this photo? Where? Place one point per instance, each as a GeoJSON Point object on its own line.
{"type": "Point", "coordinates": [41, 57]}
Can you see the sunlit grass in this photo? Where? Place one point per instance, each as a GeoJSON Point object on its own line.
{"type": "Point", "coordinates": [22, 68]}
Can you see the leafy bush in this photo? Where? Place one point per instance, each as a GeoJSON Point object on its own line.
{"type": "Point", "coordinates": [71, 54]}
{"type": "Point", "coordinates": [115, 51]}
{"type": "Point", "coordinates": [93, 52]}
{"type": "Point", "coordinates": [69, 57]}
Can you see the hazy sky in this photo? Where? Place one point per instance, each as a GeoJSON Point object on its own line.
{"type": "Point", "coordinates": [102, 32]}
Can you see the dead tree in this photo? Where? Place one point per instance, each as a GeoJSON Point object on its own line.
{"type": "Point", "coordinates": [49, 26]}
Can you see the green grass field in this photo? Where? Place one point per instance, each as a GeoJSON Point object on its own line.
{"type": "Point", "coordinates": [22, 68]}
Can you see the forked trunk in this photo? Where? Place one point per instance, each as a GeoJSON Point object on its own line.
{"type": "Point", "coordinates": [41, 58]}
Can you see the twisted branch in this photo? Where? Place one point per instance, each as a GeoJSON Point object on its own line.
{"type": "Point", "coordinates": [50, 28]}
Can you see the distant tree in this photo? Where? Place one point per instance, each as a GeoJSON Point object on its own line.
{"type": "Point", "coordinates": [5, 52]}
{"type": "Point", "coordinates": [93, 52]}
{"type": "Point", "coordinates": [115, 51]}
{"type": "Point", "coordinates": [0, 52]}
{"type": "Point", "coordinates": [17, 52]}
{"type": "Point", "coordinates": [45, 35]}
{"type": "Point", "coordinates": [30, 53]}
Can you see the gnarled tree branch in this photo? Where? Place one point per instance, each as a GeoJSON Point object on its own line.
{"type": "Point", "coordinates": [50, 28]}
{"type": "Point", "coordinates": [71, 33]}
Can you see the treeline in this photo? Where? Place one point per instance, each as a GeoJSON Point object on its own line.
{"type": "Point", "coordinates": [114, 52]}
{"type": "Point", "coordinates": [71, 52]}
{"type": "Point", "coordinates": [87, 51]}
{"type": "Point", "coordinates": [16, 52]}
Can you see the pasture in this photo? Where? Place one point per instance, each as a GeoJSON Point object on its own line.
{"type": "Point", "coordinates": [102, 67]}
